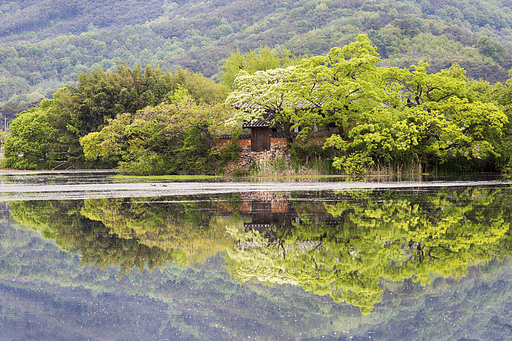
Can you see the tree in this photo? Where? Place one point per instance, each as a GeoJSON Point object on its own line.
{"type": "Point", "coordinates": [338, 88]}
{"type": "Point", "coordinates": [490, 48]}
{"type": "Point", "coordinates": [265, 58]}
{"type": "Point", "coordinates": [332, 89]}
{"type": "Point", "coordinates": [427, 117]}
{"type": "Point", "coordinates": [29, 143]}
{"type": "Point", "coordinates": [265, 92]}
{"type": "Point", "coordinates": [175, 138]}
{"type": "Point", "coordinates": [99, 96]}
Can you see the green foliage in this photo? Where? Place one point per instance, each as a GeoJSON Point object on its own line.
{"type": "Point", "coordinates": [375, 236]}
{"type": "Point", "coordinates": [40, 53]}
{"type": "Point", "coordinates": [337, 88]}
{"type": "Point", "coordinates": [99, 96]}
{"type": "Point", "coordinates": [385, 117]}
{"type": "Point", "coordinates": [173, 138]}
{"type": "Point", "coordinates": [102, 97]}
{"type": "Point", "coordinates": [29, 144]}
{"type": "Point", "coordinates": [490, 48]}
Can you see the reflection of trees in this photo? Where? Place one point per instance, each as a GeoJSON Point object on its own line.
{"type": "Point", "coordinates": [191, 227]}
{"type": "Point", "coordinates": [369, 236]}
{"type": "Point", "coordinates": [341, 249]}
{"type": "Point", "coordinates": [125, 232]}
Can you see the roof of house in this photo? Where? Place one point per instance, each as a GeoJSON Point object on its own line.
{"type": "Point", "coordinates": [260, 123]}
{"type": "Point", "coordinates": [241, 137]}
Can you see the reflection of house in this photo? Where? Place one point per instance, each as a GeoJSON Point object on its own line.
{"type": "Point", "coordinates": [265, 214]}
{"type": "Point", "coordinates": [272, 216]}
{"type": "Point", "coordinates": [268, 215]}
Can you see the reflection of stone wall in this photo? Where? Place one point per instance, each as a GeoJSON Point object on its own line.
{"type": "Point", "coordinates": [265, 196]}
{"type": "Point", "coordinates": [277, 202]}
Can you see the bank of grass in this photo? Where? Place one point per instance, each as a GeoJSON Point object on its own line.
{"type": "Point", "coordinates": [283, 166]}
{"type": "Point", "coordinates": [321, 167]}
{"type": "Point", "coordinates": [172, 177]}
{"type": "Point", "coordinates": [289, 167]}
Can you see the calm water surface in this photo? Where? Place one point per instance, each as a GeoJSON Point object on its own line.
{"type": "Point", "coordinates": [87, 256]}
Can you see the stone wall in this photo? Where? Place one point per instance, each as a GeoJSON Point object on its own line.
{"type": "Point", "coordinates": [278, 148]}
{"type": "Point", "coordinates": [246, 159]}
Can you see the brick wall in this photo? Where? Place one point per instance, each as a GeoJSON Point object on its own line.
{"type": "Point", "coordinates": [276, 143]}
{"type": "Point", "coordinates": [244, 144]}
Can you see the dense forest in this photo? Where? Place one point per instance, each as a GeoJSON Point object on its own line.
{"type": "Point", "coordinates": [44, 44]}
{"type": "Point", "coordinates": [371, 117]}
{"type": "Point", "coordinates": [134, 95]}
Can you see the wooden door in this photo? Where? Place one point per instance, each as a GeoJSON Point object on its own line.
{"type": "Point", "coordinates": [260, 139]}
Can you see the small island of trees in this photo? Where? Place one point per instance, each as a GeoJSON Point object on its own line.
{"type": "Point", "coordinates": [389, 118]}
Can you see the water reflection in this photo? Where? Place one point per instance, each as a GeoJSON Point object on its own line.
{"type": "Point", "coordinates": [128, 232]}
{"type": "Point", "coordinates": [343, 244]}
{"type": "Point", "coordinates": [425, 262]}
{"type": "Point", "coordinates": [346, 247]}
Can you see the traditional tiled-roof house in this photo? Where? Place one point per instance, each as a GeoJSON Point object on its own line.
{"type": "Point", "coordinates": [260, 133]}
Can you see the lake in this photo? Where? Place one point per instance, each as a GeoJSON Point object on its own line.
{"type": "Point", "coordinates": [90, 256]}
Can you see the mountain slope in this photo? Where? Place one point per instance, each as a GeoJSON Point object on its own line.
{"type": "Point", "coordinates": [52, 18]}
{"type": "Point", "coordinates": [44, 44]}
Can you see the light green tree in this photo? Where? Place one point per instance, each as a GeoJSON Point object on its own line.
{"type": "Point", "coordinates": [340, 87]}
{"type": "Point", "coordinates": [29, 143]}
{"type": "Point", "coordinates": [271, 92]}
{"type": "Point", "coordinates": [166, 139]}
{"type": "Point", "coordinates": [333, 89]}
{"type": "Point", "coordinates": [264, 58]}
{"type": "Point", "coordinates": [426, 116]}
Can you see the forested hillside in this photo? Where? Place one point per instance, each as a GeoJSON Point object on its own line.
{"type": "Point", "coordinates": [50, 18]}
{"type": "Point", "coordinates": [44, 44]}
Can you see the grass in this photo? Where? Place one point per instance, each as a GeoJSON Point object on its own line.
{"type": "Point", "coordinates": [283, 166]}
{"type": "Point", "coordinates": [287, 167]}
{"type": "Point", "coordinates": [172, 177]}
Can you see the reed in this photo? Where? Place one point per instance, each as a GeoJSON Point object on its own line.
{"type": "Point", "coordinates": [286, 166]}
